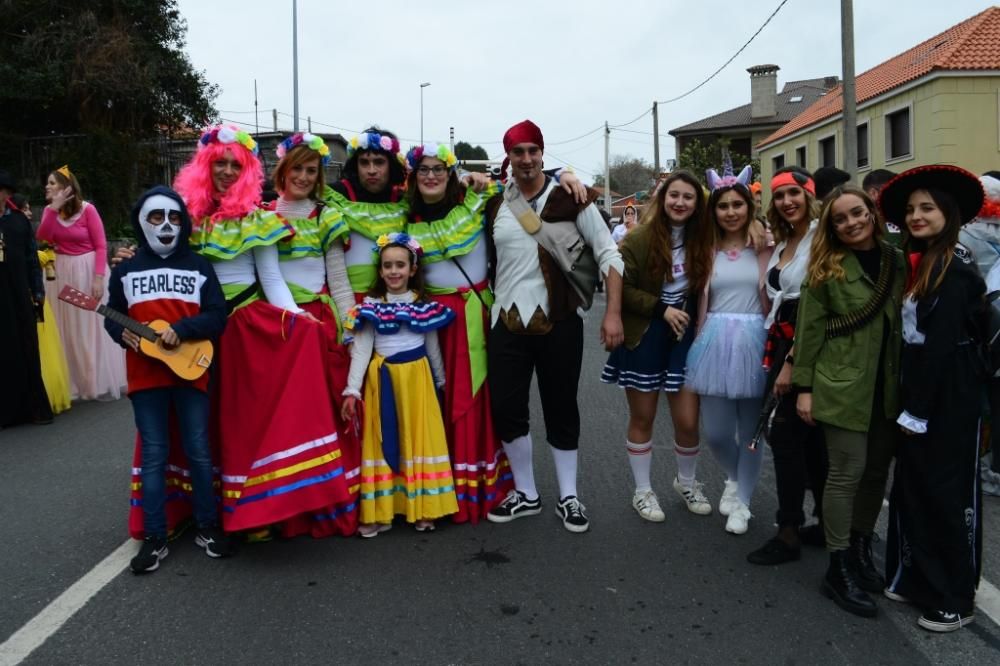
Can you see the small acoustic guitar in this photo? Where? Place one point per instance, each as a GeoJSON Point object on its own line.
{"type": "Point", "coordinates": [189, 360]}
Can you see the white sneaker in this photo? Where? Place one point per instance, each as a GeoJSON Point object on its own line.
{"type": "Point", "coordinates": [693, 497]}
{"type": "Point", "coordinates": [728, 500]}
{"type": "Point", "coordinates": [648, 507]}
{"type": "Point", "coordinates": [739, 519]}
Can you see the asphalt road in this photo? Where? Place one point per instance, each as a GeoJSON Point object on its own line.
{"type": "Point", "coordinates": [527, 592]}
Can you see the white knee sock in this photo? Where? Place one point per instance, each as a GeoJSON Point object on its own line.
{"type": "Point", "coordinates": [687, 463]}
{"type": "Point", "coordinates": [640, 458]}
{"type": "Point", "coordinates": [521, 465]}
{"type": "Point", "coordinates": [565, 471]}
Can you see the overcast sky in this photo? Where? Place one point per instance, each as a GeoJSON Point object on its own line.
{"type": "Point", "coordinates": [569, 66]}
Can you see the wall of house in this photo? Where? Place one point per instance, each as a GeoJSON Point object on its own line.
{"type": "Point", "coordinates": [954, 120]}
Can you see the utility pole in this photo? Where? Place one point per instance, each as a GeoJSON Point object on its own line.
{"type": "Point", "coordinates": [295, 65]}
{"type": "Point", "coordinates": [656, 141]}
{"type": "Point", "coordinates": [309, 124]}
{"type": "Point", "coordinates": [256, 117]}
{"type": "Point", "coordinates": [274, 117]}
{"type": "Point", "coordinates": [607, 168]}
{"type": "Point", "coordinates": [850, 96]}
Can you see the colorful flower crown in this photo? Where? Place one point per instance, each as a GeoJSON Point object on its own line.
{"type": "Point", "coordinates": [377, 142]}
{"type": "Point", "coordinates": [441, 152]}
{"type": "Point", "coordinates": [228, 134]}
{"type": "Point", "coordinates": [310, 140]}
{"type": "Point", "coordinates": [401, 239]}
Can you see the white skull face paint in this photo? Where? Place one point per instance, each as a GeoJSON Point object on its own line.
{"type": "Point", "coordinates": [161, 224]}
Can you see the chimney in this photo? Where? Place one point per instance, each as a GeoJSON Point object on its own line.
{"type": "Point", "coordinates": [763, 90]}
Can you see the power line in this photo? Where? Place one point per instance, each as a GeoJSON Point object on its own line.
{"type": "Point", "coordinates": [725, 64]}
{"type": "Point", "coordinates": [637, 118]}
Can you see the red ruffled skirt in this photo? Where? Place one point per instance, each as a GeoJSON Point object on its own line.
{"type": "Point", "coordinates": [479, 466]}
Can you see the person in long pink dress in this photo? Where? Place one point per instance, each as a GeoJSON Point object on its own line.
{"type": "Point", "coordinates": [74, 227]}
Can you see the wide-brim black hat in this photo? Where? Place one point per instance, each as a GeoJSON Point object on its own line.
{"type": "Point", "coordinates": [6, 181]}
{"type": "Point", "coordinates": [961, 184]}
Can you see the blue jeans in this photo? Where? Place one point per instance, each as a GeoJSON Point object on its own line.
{"type": "Point", "coordinates": [152, 409]}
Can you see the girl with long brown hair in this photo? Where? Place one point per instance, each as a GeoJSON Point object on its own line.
{"type": "Point", "coordinates": [847, 342]}
{"type": "Point", "coordinates": [667, 263]}
{"type": "Point", "coordinates": [933, 552]}
{"type": "Point", "coordinates": [799, 456]}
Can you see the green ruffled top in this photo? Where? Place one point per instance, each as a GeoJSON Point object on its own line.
{"type": "Point", "coordinates": [457, 233]}
{"type": "Point", "coordinates": [313, 235]}
{"type": "Point", "coordinates": [226, 239]}
{"type": "Point", "coordinates": [371, 220]}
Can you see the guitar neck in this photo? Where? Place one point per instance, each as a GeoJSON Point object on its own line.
{"type": "Point", "coordinates": [131, 324]}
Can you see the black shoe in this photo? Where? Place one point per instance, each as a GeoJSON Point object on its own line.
{"type": "Point", "coordinates": [514, 506]}
{"type": "Point", "coordinates": [813, 535]}
{"type": "Point", "coordinates": [943, 621]}
{"type": "Point", "coordinates": [839, 584]}
{"type": "Point", "coordinates": [773, 552]}
{"type": "Point", "coordinates": [148, 559]}
{"type": "Point", "coordinates": [215, 542]}
{"type": "Point", "coordinates": [860, 559]}
{"type": "Point", "coordinates": [573, 514]}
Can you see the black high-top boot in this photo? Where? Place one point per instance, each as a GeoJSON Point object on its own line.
{"type": "Point", "coordinates": [860, 555]}
{"type": "Point", "coordinates": [839, 584]}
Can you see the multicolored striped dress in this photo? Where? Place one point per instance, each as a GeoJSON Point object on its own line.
{"type": "Point", "coordinates": [405, 467]}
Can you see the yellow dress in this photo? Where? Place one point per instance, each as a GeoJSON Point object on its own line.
{"type": "Point", "coordinates": [55, 371]}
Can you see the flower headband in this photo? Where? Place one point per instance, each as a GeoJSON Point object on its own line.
{"type": "Point", "coordinates": [727, 179]}
{"type": "Point", "coordinates": [441, 152]}
{"type": "Point", "coordinates": [304, 139]}
{"type": "Point", "coordinates": [400, 239]}
{"type": "Point", "coordinates": [227, 134]}
{"type": "Point", "coordinates": [377, 142]}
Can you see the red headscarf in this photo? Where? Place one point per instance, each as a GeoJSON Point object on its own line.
{"type": "Point", "coordinates": [523, 132]}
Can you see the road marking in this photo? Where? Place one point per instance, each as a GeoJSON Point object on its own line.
{"type": "Point", "coordinates": [28, 638]}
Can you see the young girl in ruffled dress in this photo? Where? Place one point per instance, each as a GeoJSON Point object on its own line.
{"type": "Point", "coordinates": [405, 467]}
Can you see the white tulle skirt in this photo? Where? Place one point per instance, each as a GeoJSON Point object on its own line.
{"type": "Point", "coordinates": [96, 363]}
{"type": "Point", "coordinates": [725, 359]}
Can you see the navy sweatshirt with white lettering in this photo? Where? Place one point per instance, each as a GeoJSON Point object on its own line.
{"type": "Point", "coordinates": [181, 289]}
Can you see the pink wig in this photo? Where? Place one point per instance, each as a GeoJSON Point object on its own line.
{"type": "Point", "coordinates": [194, 183]}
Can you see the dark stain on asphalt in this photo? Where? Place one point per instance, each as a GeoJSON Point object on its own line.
{"type": "Point", "coordinates": [490, 558]}
{"type": "Point", "coordinates": [510, 609]}
{"type": "Point", "coordinates": [311, 583]}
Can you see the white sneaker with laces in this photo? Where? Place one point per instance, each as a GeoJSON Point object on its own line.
{"type": "Point", "coordinates": [739, 519]}
{"type": "Point", "coordinates": [647, 506]}
{"type": "Point", "coordinates": [728, 500]}
{"type": "Point", "coordinates": [693, 497]}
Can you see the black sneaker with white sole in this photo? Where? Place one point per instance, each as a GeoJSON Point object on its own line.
{"type": "Point", "coordinates": [147, 560]}
{"type": "Point", "coordinates": [573, 514]}
{"type": "Point", "coordinates": [515, 505]}
{"type": "Point", "coordinates": [215, 542]}
{"type": "Point", "coordinates": [943, 621]}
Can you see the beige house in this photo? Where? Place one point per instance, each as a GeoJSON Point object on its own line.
{"type": "Point", "coordinates": [938, 102]}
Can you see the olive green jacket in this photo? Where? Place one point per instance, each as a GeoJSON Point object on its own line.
{"type": "Point", "coordinates": [841, 371]}
{"type": "Point", "coordinates": [640, 290]}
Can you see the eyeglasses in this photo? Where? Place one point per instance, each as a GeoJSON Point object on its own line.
{"type": "Point", "coordinates": [437, 170]}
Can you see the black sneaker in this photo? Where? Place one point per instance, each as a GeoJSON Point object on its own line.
{"type": "Point", "coordinates": [774, 552]}
{"type": "Point", "coordinates": [515, 505]}
{"type": "Point", "coordinates": [943, 621]}
{"type": "Point", "coordinates": [573, 514]}
{"type": "Point", "coordinates": [148, 559]}
{"type": "Point", "coordinates": [215, 542]}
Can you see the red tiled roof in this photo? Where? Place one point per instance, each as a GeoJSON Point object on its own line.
{"type": "Point", "coordinates": [973, 44]}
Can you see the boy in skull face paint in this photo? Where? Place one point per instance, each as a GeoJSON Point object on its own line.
{"type": "Point", "coordinates": [167, 280]}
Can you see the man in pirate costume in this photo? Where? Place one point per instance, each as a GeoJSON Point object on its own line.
{"type": "Point", "coordinates": [22, 393]}
{"type": "Point", "coordinates": [535, 325]}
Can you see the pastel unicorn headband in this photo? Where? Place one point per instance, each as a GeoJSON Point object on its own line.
{"type": "Point", "coordinates": [227, 134]}
{"type": "Point", "coordinates": [400, 239]}
{"type": "Point", "coordinates": [304, 139]}
{"type": "Point", "coordinates": [728, 179]}
{"type": "Point", "coordinates": [441, 152]}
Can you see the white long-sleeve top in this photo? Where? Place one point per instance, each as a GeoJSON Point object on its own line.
{"type": "Point", "coordinates": [519, 279]}
{"type": "Point", "coordinates": [366, 340]}
{"type": "Point", "coordinates": [793, 274]}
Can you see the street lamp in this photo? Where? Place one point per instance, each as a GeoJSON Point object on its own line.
{"type": "Point", "coordinates": [422, 86]}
